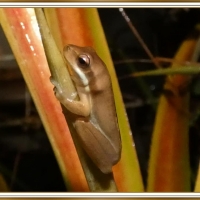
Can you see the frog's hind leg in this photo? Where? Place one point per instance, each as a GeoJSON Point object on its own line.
{"type": "Point", "coordinates": [96, 145]}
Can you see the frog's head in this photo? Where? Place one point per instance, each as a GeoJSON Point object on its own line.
{"type": "Point", "coordinates": [83, 63]}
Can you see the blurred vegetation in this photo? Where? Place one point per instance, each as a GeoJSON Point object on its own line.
{"type": "Point", "coordinates": [25, 152]}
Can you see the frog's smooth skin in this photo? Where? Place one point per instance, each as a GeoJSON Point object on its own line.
{"type": "Point", "coordinates": [96, 121]}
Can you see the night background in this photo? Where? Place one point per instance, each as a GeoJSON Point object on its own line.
{"type": "Point", "coordinates": [25, 152]}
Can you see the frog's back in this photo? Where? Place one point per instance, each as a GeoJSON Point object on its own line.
{"type": "Point", "coordinates": [103, 108]}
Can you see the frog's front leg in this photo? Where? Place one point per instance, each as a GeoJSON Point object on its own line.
{"type": "Point", "coordinates": [81, 107]}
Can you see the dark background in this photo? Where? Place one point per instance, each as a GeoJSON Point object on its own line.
{"type": "Point", "coordinates": [26, 158]}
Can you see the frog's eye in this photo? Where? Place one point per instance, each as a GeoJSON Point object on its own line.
{"type": "Point", "coordinates": [83, 61]}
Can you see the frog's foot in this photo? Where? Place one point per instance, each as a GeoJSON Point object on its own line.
{"type": "Point", "coordinates": [60, 93]}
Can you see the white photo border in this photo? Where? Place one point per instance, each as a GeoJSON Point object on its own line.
{"type": "Point", "coordinates": [98, 195]}
{"type": "Point", "coordinates": [102, 4]}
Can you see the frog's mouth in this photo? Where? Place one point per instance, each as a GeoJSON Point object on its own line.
{"type": "Point", "coordinates": [75, 72]}
{"type": "Point", "coordinates": [70, 69]}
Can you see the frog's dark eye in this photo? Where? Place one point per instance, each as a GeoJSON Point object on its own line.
{"type": "Point", "coordinates": [83, 61]}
